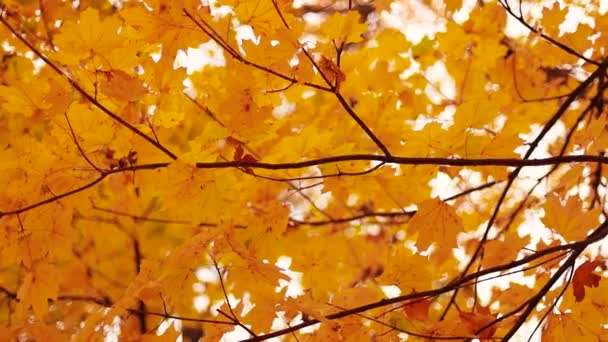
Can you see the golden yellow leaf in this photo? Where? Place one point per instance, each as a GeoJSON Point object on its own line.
{"type": "Point", "coordinates": [121, 86]}
{"type": "Point", "coordinates": [39, 286]}
{"type": "Point", "coordinates": [88, 36]}
{"type": "Point", "coordinates": [564, 327]}
{"type": "Point", "coordinates": [436, 223]}
{"type": "Point", "coordinates": [344, 28]}
{"type": "Point", "coordinates": [569, 220]}
{"type": "Point", "coordinates": [302, 166]}
{"type": "Point", "coordinates": [552, 18]}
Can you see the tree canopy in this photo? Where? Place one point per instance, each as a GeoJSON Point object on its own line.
{"type": "Point", "coordinates": [309, 170]}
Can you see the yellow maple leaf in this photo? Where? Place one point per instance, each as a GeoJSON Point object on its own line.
{"type": "Point", "coordinates": [569, 219]}
{"type": "Point", "coordinates": [579, 40]}
{"type": "Point", "coordinates": [262, 270]}
{"type": "Point", "coordinates": [407, 271]}
{"type": "Point", "coordinates": [565, 327]}
{"type": "Point", "coordinates": [121, 86]}
{"type": "Point", "coordinates": [39, 286]}
{"type": "Point", "coordinates": [259, 14]}
{"type": "Point", "coordinates": [26, 99]}
{"type": "Point", "coordinates": [552, 18]}
{"type": "Point", "coordinates": [88, 36]}
{"type": "Point", "coordinates": [344, 28]}
{"type": "Point", "coordinates": [498, 252]}
{"type": "Point", "coordinates": [436, 223]}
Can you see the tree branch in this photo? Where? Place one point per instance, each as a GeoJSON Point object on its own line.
{"type": "Point", "coordinates": [552, 41]}
{"type": "Point", "coordinates": [598, 234]}
{"type": "Point", "coordinates": [512, 162]}
{"type": "Point", "coordinates": [81, 90]}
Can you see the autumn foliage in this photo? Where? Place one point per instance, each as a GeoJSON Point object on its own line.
{"type": "Point", "coordinates": [313, 170]}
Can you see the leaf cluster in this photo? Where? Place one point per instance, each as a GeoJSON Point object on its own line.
{"type": "Point", "coordinates": [321, 175]}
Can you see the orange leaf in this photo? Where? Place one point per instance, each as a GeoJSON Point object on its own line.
{"type": "Point", "coordinates": [39, 286]}
{"type": "Point", "coordinates": [569, 220]}
{"type": "Point", "coordinates": [332, 72]}
{"type": "Point", "coordinates": [477, 320]}
{"type": "Point", "coordinates": [418, 310]}
{"type": "Point", "coordinates": [436, 222]}
{"type": "Point", "coordinates": [121, 86]}
{"type": "Point", "coordinates": [552, 18]}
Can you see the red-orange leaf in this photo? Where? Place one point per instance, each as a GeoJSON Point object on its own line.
{"type": "Point", "coordinates": [584, 276]}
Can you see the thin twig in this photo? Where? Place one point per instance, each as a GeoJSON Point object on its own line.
{"type": "Point", "coordinates": [83, 92]}
{"type": "Point", "coordinates": [597, 235]}
{"type": "Point", "coordinates": [241, 59]}
{"type": "Point", "coordinates": [513, 175]}
{"type": "Point", "coordinates": [234, 317]}
{"type": "Point", "coordinates": [513, 162]}
{"type": "Point", "coordinates": [82, 153]}
{"type": "Point", "coordinates": [552, 41]}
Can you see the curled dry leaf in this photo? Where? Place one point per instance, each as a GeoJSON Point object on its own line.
{"type": "Point", "coordinates": [332, 72]}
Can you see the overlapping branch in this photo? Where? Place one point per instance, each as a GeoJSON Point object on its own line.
{"type": "Point", "coordinates": [333, 88]}
{"type": "Point", "coordinates": [576, 248]}
{"type": "Point", "coordinates": [509, 162]}
{"type": "Point", "coordinates": [524, 310]}
{"type": "Point", "coordinates": [76, 86]}
{"type": "Point", "coordinates": [520, 18]}
{"type": "Point", "coordinates": [106, 302]}
{"type": "Point", "coordinates": [565, 105]}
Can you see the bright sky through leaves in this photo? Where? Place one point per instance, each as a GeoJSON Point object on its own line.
{"type": "Point", "coordinates": [306, 171]}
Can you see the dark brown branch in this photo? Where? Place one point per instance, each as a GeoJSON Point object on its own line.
{"type": "Point", "coordinates": [562, 151]}
{"type": "Point", "coordinates": [233, 315]}
{"type": "Point", "coordinates": [9, 294]}
{"type": "Point", "coordinates": [241, 59]}
{"type": "Point", "coordinates": [346, 106]}
{"type": "Point", "coordinates": [181, 318]}
{"type": "Point", "coordinates": [395, 328]}
{"type": "Point", "coordinates": [329, 175]}
{"type": "Point", "coordinates": [513, 175]}
{"type": "Point", "coordinates": [524, 269]}
{"type": "Point", "coordinates": [82, 153]}
{"type": "Point", "coordinates": [362, 124]}
{"type": "Point", "coordinates": [83, 92]}
{"type": "Point", "coordinates": [142, 218]}
{"type": "Point", "coordinates": [137, 259]}
{"type": "Point", "coordinates": [531, 305]}
{"type": "Point", "coordinates": [554, 303]}
{"type": "Point", "coordinates": [276, 8]}
{"type": "Point", "coordinates": [54, 198]}
{"type": "Point", "coordinates": [597, 235]}
{"type": "Point", "coordinates": [513, 162]}
{"type": "Point", "coordinates": [552, 41]}
{"type": "Point", "coordinates": [510, 162]}
{"type": "Point", "coordinates": [204, 109]}
{"type": "Point", "coordinates": [280, 89]}
{"type": "Point", "coordinates": [390, 214]}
